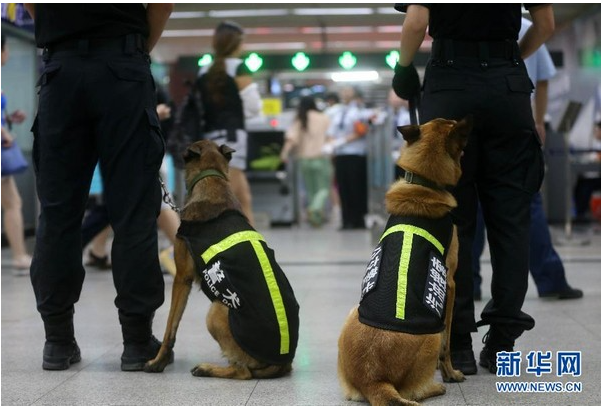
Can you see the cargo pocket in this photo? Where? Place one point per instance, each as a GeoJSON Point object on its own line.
{"type": "Point", "coordinates": [48, 72]}
{"type": "Point", "coordinates": [155, 145]}
{"type": "Point", "coordinates": [35, 147]}
{"type": "Point", "coordinates": [519, 84]}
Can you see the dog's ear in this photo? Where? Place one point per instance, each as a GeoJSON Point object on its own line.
{"type": "Point", "coordinates": [411, 133]}
{"type": "Point", "coordinates": [458, 136]}
{"type": "Point", "coordinates": [226, 151]}
{"type": "Point", "coordinates": [192, 152]}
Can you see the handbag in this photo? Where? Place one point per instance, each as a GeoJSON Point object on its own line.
{"type": "Point", "coordinates": [13, 161]}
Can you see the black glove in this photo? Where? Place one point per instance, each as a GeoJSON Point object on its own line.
{"type": "Point", "coordinates": [406, 82]}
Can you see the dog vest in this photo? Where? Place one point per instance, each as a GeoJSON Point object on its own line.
{"type": "Point", "coordinates": [237, 268]}
{"type": "Point", "coordinates": [405, 282]}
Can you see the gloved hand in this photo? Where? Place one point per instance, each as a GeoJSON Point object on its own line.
{"type": "Point", "coordinates": [406, 82]}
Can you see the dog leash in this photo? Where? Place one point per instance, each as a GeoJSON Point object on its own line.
{"type": "Point", "coordinates": [167, 198]}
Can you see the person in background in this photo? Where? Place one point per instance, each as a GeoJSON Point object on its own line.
{"type": "Point", "coordinates": [111, 120]}
{"type": "Point", "coordinates": [11, 199]}
{"type": "Point", "coordinates": [545, 265]}
{"type": "Point", "coordinates": [307, 135]}
{"type": "Point", "coordinates": [228, 103]}
{"type": "Point", "coordinates": [476, 68]}
{"type": "Point", "coordinates": [588, 183]}
{"type": "Point", "coordinates": [400, 113]}
{"type": "Point", "coordinates": [347, 132]}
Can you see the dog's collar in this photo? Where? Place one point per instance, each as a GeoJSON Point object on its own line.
{"type": "Point", "coordinates": [205, 174]}
{"type": "Point", "coordinates": [414, 178]}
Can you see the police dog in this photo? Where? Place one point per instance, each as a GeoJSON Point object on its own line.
{"type": "Point", "coordinates": [392, 342]}
{"type": "Point", "coordinates": [254, 314]}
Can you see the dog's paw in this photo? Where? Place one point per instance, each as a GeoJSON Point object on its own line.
{"type": "Point", "coordinates": [202, 370]}
{"type": "Point", "coordinates": [154, 366]}
{"type": "Point", "coordinates": [453, 376]}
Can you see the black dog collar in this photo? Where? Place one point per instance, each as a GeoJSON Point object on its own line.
{"type": "Point", "coordinates": [416, 179]}
{"type": "Point", "coordinates": [205, 174]}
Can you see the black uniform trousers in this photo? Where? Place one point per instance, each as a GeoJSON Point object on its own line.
{"type": "Point", "coordinates": [502, 166]}
{"type": "Point", "coordinates": [351, 174]}
{"type": "Point", "coordinates": [97, 102]}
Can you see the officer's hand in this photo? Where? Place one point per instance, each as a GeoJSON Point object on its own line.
{"type": "Point", "coordinates": [406, 82]}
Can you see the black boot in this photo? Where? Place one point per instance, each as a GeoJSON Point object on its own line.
{"type": "Point", "coordinates": [461, 352]}
{"type": "Point", "coordinates": [496, 339]}
{"type": "Point", "coordinates": [140, 345]}
{"type": "Point", "coordinates": [60, 348]}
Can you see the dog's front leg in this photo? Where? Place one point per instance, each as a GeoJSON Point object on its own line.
{"type": "Point", "coordinates": [180, 293]}
{"type": "Point", "coordinates": [448, 373]}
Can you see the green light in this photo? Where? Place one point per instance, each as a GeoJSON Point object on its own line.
{"type": "Point", "coordinates": [347, 60]}
{"type": "Point", "coordinates": [300, 61]}
{"type": "Point", "coordinates": [392, 58]}
{"type": "Point", "coordinates": [253, 62]}
{"type": "Point", "coordinates": [596, 58]}
{"type": "Point", "coordinates": [204, 60]}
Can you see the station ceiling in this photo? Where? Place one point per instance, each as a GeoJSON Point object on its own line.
{"type": "Point", "coordinates": [290, 27]}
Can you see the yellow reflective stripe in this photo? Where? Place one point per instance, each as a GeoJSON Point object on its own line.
{"type": "Point", "coordinates": [402, 276]}
{"type": "Point", "coordinates": [229, 242]}
{"type": "Point", "coordinates": [406, 228]}
{"type": "Point", "coordinates": [278, 303]}
{"type": "Point", "coordinates": [404, 261]}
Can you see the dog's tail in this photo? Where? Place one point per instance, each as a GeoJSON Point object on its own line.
{"type": "Point", "coordinates": [384, 393]}
{"type": "Point", "coordinates": [271, 371]}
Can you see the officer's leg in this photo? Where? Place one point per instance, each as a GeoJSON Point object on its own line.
{"type": "Point", "coordinates": [131, 149]}
{"type": "Point", "coordinates": [64, 157]}
{"type": "Point", "coordinates": [133, 196]}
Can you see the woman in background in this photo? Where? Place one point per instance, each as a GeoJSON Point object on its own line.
{"type": "Point", "coordinates": [230, 97]}
{"type": "Point", "coordinates": [11, 199]}
{"type": "Point", "coordinates": [308, 136]}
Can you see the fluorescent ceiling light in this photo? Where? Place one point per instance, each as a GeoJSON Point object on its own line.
{"type": "Point", "coordinates": [275, 46]}
{"type": "Point", "coordinates": [188, 33]}
{"type": "Point", "coordinates": [388, 10]}
{"type": "Point", "coordinates": [269, 12]}
{"type": "Point", "coordinates": [187, 14]}
{"type": "Point", "coordinates": [338, 30]}
{"type": "Point", "coordinates": [355, 76]}
{"type": "Point", "coordinates": [332, 11]}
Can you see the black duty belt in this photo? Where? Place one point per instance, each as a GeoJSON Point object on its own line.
{"type": "Point", "coordinates": [128, 44]}
{"type": "Point", "coordinates": [446, 49]}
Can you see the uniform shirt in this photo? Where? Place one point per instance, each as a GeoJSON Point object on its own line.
{"type": "Point", "coordinates": [238, 269]}
{"type": "Point", "coordinates": [405, 283]}
{"type": "Point", "coordinates": [55, 23]}
{"type": "Point", "coordinates": [459, 21]}
{"type": "Point", "coordinates": [342, 125]}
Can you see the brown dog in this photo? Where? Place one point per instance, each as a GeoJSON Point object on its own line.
{"type": "Point", "coordinates": [254, 314]}
{"type": "Point", "coordinates": [392, 342]}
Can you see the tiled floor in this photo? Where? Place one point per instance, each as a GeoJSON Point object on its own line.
{"type": "Point", "coordinates": [325, 269]}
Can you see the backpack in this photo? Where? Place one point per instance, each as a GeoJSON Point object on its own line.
{"type": "Point", "coordinates": [189, 124]}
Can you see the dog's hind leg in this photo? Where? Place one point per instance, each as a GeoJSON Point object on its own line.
{"type": "Point", "coordinates": [216, 371]}
{"type": "Point", "coordinates": [385, 394]}
{"type": "Point", "coordinates": [271, 371]}
{"type": "Point", "coordinates": [448, 373]}
{"type": "Point", "coordinates": [180, 293]}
